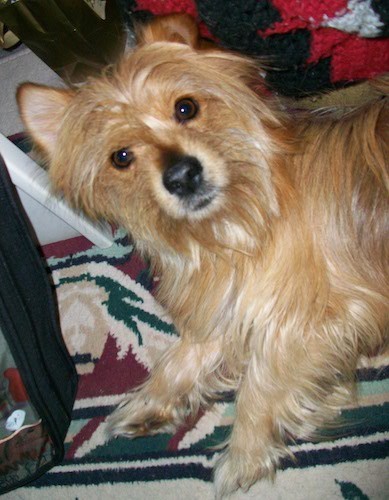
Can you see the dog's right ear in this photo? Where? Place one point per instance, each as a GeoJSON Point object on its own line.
{"type": "Point", "coordinates": [42, 110]}
{"type": "Point", "coordinates": [179, 28]}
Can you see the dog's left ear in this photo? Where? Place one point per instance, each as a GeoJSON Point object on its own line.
{"type": "Point", "coordinates": [42, 110]}
{"type": "Point", "coordinates": [180, 28]}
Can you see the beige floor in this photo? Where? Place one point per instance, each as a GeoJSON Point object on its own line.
{"type": "Point", "coordinates": [16, 67]}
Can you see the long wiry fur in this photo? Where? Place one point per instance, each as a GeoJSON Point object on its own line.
{"type": "Point", "coordinates": [280, 284]}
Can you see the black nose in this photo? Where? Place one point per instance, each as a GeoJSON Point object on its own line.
{"type": "Point", "coordinates": [183, 176]}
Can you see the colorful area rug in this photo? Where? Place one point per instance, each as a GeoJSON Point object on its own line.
{"type": "Point", "coordinates": [115, 331]}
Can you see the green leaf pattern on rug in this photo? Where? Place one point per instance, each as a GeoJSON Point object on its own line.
{"type": "Point", "coordinates": [98, 300]}
{"type": "Point", "coordinates": [350, 491]}
{"type": "Point", "coordinates": [121, 304]}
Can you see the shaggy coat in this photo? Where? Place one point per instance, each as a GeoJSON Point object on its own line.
{"type": "Point", "coordinates": [273, 257]}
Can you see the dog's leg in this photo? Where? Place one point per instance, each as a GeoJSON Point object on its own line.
{"type": "Point", "coordinates": [290, 391]}
{"type": "Point", "coordinates": [183, 380]}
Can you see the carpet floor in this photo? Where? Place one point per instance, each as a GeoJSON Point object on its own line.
{"type": "Point", "coordinates": [115, 331]}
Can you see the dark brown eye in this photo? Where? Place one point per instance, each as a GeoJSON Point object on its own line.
{"type": "Point", "coordinates": [186, 109]}
{"type": "Point", "coordinates": [122, 158]}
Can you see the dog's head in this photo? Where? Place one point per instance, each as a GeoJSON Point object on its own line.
{"type": "Point", "coordinates": [172, 142]}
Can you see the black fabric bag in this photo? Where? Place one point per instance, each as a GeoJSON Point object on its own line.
{"type": "Point", "coordinates": [37, 377]}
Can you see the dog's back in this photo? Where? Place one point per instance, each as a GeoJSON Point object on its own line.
{"type": "Point", "coordinates": [344, 177]}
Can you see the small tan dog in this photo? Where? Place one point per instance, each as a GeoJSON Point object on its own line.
{"type": "Point", "coordinates": [269, 231]}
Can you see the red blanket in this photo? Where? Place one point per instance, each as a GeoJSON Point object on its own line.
{"type": "Point", "coordinates": [312, 45]}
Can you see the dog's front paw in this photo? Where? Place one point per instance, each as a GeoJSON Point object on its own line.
{"type": "Point", "coordinates": [140, 414]}
{"type": "Point", "coordinates": [238, 468]}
